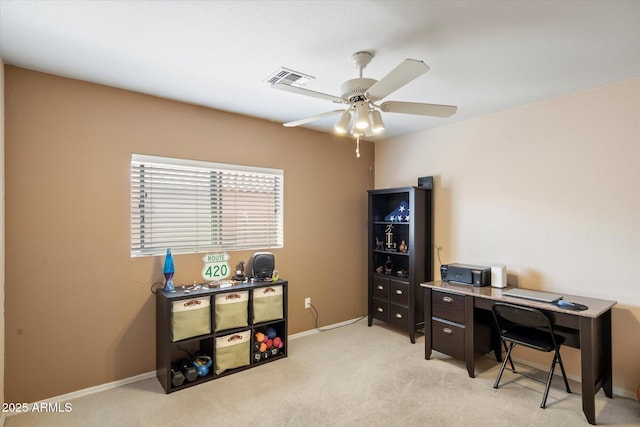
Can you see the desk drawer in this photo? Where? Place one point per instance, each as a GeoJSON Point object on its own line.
{"type": "Point", "coordinates": [448, 339]}
{"type": "Point", "coordinates": [398, 292]}
{"type": "Point", "coordinates": [381, 310]}
{"type": "Point", "coordinates": [380, 287]}
{"type": "Point", "coordinates": [447, 306]}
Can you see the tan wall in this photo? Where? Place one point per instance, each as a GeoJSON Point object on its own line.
{"type": "Point", "coordinates": [550, 189]}
{"type": "Point", "coordinates": [2, 321]}
{"type": "Point", "coordinates": [79, 309]}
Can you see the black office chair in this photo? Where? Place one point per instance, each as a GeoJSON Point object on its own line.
{"type": "Point", "coordinates": [531, 328]}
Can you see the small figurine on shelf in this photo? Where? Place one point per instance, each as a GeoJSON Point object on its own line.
{"type": "Point", "coordinates": [379, 244]}
{"type": "Point", "coordinates": [239, 271]}
{"type": "Point", "coordinates": [388, 266]}
{"type": "Point", "coordinates": [403, 247]}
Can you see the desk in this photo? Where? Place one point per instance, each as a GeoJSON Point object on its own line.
{"type": "Point", "coordinates": [470, 332]}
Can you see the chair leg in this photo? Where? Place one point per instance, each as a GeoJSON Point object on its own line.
{"type": "Point", "coordinates": [550, 377]}
{"type": "Point", "coordinates": [564, 375]}
{"type": "Point", "coordinates": [513, 368]}
{"type": "Point", "coordinates": [556, 359]}
{"type": "Point", "coordinates": [504, 363]}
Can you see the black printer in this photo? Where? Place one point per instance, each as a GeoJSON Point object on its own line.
{"type": "Point", "coordinates": [474, 275]}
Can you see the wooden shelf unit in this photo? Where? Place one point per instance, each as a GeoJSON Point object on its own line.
{"type": "Point", "coordinates": [395, 296]}
{"type": "Point", "coordinates": [168, 351]}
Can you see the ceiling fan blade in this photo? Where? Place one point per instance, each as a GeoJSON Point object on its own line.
{"type": "Point", "coordinates": [419, 108]}
{"type": "Point", "coordinates": [408, 70]}
{"type": "Point", "coordinates": [301, 91]}
{"type": "Point", "coordinates": [312, 118]}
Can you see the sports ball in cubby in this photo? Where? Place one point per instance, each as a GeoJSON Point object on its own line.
{"type": "Point", "coordinates": [270, 332]}
{"type": "Point", "coordinates": [260, 337]}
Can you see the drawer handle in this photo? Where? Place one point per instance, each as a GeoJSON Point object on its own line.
{"type": "Point", "coordinates": [398, 315]}
{"type": "Point", "coordinates": [380, 287]}
{"type": "Point", "coordinates": [447, 331]}
{"type": "Point", "coordinates": [447, 299]}
{"type": "Point", "coordinates": [398, 291]}
{"type": "Point", "coordinates": [380, 309]}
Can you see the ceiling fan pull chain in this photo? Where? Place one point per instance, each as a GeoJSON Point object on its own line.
{"type": "Point", "coordinates": [358, 147]}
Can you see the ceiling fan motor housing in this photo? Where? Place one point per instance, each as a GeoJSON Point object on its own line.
{"type": "Point", "coordinates": [354, 89]}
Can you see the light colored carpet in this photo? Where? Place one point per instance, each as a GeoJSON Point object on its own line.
{"type": "Point", "coordinates": [351, 376]}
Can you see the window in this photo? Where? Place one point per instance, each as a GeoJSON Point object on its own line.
{"type": "Point", "coordinates": [193, 206]}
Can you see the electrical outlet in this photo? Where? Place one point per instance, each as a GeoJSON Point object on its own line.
{"type": "Point", "coordinates": [307, 302]}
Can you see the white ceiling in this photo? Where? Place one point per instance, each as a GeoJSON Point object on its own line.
{"type": "Point", "coordinates": [485, 56]}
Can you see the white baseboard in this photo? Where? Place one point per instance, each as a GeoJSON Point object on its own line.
{"type": "Point", "coordinates": [92, 390]}
{"type": "Point", "coordinates": [2, 418]}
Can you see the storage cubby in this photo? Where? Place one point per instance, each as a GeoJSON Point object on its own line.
{"type": "Point", "coordinates": [272, 350]}
{"type": "Point", "coordinates": [238, 306]}
{"type": "Point", "coordinates": [400, 255]}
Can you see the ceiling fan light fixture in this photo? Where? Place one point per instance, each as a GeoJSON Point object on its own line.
{"type": "Point", "coordinates": [362, 115]}
{"type": "Point", "coordinates": [377, 125]}
{"type": "Point", "coordinates": [357, 133]}
{"type": "Point", "coordinates": [343, 122]}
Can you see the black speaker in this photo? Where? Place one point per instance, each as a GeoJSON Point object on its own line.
{"type": "Point", "coordinates": [426, 182]}
{"type": "Point", "coordinates": [261, 265]}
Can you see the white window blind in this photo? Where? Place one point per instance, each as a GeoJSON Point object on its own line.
{"type": "Point", "coordinates": [192, 206]}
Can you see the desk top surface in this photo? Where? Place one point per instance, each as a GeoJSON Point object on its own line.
{"type": "Point", "coordinates": [596, 306]}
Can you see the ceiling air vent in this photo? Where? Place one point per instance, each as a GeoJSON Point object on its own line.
{"type": "Point", "coordinates": [289, 77]}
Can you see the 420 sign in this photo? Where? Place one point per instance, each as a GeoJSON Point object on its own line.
{"type": "Point", "coordinates": [216, 267]}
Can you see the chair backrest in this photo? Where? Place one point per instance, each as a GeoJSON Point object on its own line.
{"type": "Point", "coordinates": [509, 315]}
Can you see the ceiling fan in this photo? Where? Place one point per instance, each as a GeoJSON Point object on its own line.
{"type": "Point", "coordinates": [362, 94]}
